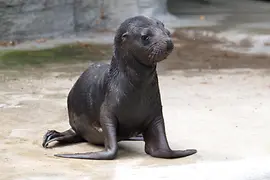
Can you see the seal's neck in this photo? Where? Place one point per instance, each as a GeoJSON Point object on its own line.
{"type": "Point", "coordinates": [137, 73]}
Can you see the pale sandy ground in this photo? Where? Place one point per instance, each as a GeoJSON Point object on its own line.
{"type": "Point", "coordinates": [223, 114]}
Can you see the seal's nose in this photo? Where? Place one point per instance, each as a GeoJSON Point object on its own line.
{"type": "Point", "coordinates": [169, 45]}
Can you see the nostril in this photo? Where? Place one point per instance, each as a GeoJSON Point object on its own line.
{"type": "Point", "coordinates": [169, 45]}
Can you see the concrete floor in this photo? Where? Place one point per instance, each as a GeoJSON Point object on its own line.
{"type": "Point", "coordinates": [242, 20]}
{"type": "Point", "coordinates": [224, 114]}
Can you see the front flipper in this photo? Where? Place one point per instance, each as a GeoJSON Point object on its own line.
{"type": "Point", "coordinates": [102, 155]}
{"type": "Point", "coordinates": [156, 143]}
{"type": "Point", "coordinates": [108, 124]}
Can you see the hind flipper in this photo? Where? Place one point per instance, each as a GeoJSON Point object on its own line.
{"type": "Point", "coordinates": [68, 136]}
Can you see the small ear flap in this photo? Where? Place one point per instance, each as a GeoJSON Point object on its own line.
{"type": "Point", "coordinates": [124, 36]}
{"type": "Point", "coordinates": [168, 32]}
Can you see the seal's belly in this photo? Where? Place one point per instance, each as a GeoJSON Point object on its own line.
{"type": "Point", "coordinates": [127, 131]}
{"type": "Point", "coordinates": [131, 124]}
{"type": "Point", "coordinates": [135, 113]}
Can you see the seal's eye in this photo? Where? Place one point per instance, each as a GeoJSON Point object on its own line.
{"type": "Point", "coordinates": [145, 37]}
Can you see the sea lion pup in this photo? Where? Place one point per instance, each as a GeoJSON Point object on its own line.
{"type": "Point", "coordinates": [121, 100]}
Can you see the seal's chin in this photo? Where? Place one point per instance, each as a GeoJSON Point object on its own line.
{"type": "Point", "coordinates": [152, 58]}
{"type": "Point", "coordinates": [162, 57]}
{"type": "Point", "coordinates": [160, 52]}
{"type": "Point", "coordinates": [153, 61]}
{"type": "Point", "coordinates": [148, 64]}
{"type": "Point", "coordinates": [159, 58]}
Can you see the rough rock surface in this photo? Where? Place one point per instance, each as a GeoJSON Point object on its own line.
{"type": "Point", "coordinates": [32, 19]}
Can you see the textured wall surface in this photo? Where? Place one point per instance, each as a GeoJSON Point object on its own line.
{"type": "Point", "coordinates": [31, 19]}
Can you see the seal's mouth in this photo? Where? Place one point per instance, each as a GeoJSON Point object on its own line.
{"type": "Point", "coordinates": [154, 53]}
{"type": "Point", "coordinates": [160, 51]}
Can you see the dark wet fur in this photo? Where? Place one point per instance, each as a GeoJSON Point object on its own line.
{"type": "Point", "coordinates": [121, 100]}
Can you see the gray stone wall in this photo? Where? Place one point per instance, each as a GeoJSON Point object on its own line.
{"type": "Point", "coordinates": [29, 19]}
{"type": "Point", "coordinates": [33, 19]}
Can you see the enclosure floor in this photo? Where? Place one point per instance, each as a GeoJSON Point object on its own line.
{"type": "Point", "coordinates": [224, 114]}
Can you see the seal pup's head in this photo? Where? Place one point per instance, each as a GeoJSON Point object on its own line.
{"type": "Point", "coordinates": [144, 39]}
